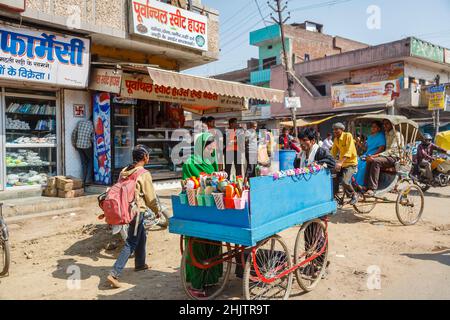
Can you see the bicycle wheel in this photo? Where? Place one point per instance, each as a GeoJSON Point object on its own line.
{"type": "Point", "coordinates": [217, 276]}
{"type": "Point", "coordinates": [311, 250]}
{"type": "Point", "coordinates": [5, 257]}
{"type": "Point", "coordinates": [365, 205]}
{"type": "Point", "coordinates": [265, 263]}
{"type": "Point", "coordinates": [409, 205]}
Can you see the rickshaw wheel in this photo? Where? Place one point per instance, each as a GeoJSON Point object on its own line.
{"type": "Point", "coordinates": [269, 259]}
{"type": "Point", "coordinates": [409, 205]}
{"type": "Point", "coordinates": [365, 205]}
{"type": "Point", "coordinates": [310, 241]}
{"type": "Point", "coordinates": [209, 292]}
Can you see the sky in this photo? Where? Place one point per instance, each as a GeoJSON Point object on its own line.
{"type": "Point", "coordinates": [428, 20]}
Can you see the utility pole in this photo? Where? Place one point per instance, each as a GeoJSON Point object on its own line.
{"type": "Point", "coordinates": [287, 66]}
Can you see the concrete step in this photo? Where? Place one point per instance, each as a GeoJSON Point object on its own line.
{"type": "Point", "coordinates": [18, 207]}
{"type": "Point", "coordinates": [52, 213]}
{"type": "Point", "coordinates": [20, 192]}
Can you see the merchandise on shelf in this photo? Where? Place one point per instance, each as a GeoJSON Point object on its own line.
{"type": "Point", "coordinates": [28, 108]}
{"type": "Point", "coordinates": [17, 124]}
{"type": "Point", "coordinates": [49, 125]}
{"type": "Point", "coordinates": [50, 139]}
{"type": "Point", "coordinates": [24, 158]}
{"type": "Point", "coordinates": [24, 179]}
{"type": "Point", "coordinates": [215, 188]}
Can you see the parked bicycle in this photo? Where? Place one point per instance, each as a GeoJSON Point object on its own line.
{"type": "Point", "coordinates": [5, 257]}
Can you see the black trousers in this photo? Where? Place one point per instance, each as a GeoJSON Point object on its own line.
{"type": "Point", "coordinates": [237, 163]}
{"type": "Point", "coordinates": [87, 161]}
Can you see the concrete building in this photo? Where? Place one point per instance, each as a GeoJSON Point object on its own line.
{"type": "Point", "coordinates": [62, 47]}
{"type": "Point", "coordinates": [304, 41]}
{"type": "Point", "coordinates": [410, 64]}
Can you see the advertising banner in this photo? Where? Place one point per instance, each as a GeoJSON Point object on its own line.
{"type": "Point", "coordinates": [102, 143]}
{"type": "Point", "coordinates": [385, 72]}
{"type": "Point", "coordinates": [437, 98]}
{"type": "Point", "coordinates": [44, 57]}
{"type": "Point", "coordinates": [165, 22]}
{"type": "Point", "coordinates": [366, 94]}
{"type": "Point", "coordinates": [142, 87]}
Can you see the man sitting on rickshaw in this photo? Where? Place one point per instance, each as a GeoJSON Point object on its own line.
{"type": "Point", "coordinates": [387, 159]}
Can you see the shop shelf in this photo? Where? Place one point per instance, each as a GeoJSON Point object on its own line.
{"type": "Point", "coordinates": [34, 165]}
{"type": "Point", "coordinates": [30, 145]}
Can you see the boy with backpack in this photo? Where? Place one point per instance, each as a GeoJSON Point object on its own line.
{"type": "Point", "coordinates": [125, 203]}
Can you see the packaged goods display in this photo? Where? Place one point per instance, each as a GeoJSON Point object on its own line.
{"type": "Point", "coordinates": [24, 158]}
{"type": "Point", "coordinates": [28, 108]}
{"type": "Point", "coordinates": [26, 178]}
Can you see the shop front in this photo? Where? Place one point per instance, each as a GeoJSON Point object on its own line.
{"type": "Point", "coordinates": [147, 110]}
{"type": "Point", "coordinates": [35, 65]}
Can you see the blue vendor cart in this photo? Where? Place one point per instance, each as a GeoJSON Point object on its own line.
{"type": "Point", "coordinates": [214, 241]}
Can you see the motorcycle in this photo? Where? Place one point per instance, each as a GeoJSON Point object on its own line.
{"type": "Point", "coordinates": [441, 173]}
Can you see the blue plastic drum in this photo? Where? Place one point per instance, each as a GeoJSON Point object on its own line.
{"type": "Point", "coordinates": [287, 158]}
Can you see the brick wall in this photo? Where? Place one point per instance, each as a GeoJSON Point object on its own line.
{"type": "Point", "coordinates": [318, 45]}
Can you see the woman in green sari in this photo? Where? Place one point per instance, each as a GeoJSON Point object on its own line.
{"type": "Point", "coordinates": [203, 160]}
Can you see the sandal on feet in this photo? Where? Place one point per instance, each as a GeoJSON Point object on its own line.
{"type": "Point", "coordinates": [113, 281]}
{"type": "Point", "coordinates": [197, 293]}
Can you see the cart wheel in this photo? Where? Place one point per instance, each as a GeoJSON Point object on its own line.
{"type": "Point", "coordinates": [311, 252]}
{"type": "Point", "coordinates": [221, 272]}
{"type": "Point", "coordinates": [181, 244]}
{"type": "Point", "coordinates": [365, 205]}
{"type": "Point", "coordinates": [409, 205]}
{"type": "Point", "coordinates": [269, 259]}
{"type": "Point", "coordinates": [5, 257]}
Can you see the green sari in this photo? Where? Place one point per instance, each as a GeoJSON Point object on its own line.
{"type": "Point", "coordinates": [193, 166]}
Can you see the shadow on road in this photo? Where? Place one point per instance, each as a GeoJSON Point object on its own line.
{"type": "Point", "coordinates": [441, 257]}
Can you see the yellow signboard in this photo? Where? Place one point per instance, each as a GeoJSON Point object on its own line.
{"type": "Point", "coordinates": [437, 98]}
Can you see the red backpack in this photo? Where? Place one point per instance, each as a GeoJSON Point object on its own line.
{"type": "Point", "coordinates": [119, 205]}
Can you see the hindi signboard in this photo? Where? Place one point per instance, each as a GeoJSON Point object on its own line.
{"type": "Point", "coordinates": [142, 87]}
{"type": "Point", "coordinates": [437, 98]}
{"type": "Point", "coordinates": [165, 22]}
{"type": "Point", "coordinates": [365, 94]}
{"type": "Point", "coordinates": [106, 80]}
{"type": "Point", "coordinates": [292, 103]}
{"type": "Point", "coordinates": [43, 56]}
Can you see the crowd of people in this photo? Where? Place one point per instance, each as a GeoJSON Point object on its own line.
{"type": "Point", "coordinates": [354, 162]}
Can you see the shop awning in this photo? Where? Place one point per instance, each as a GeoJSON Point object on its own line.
{"type": "Point", "coordinates": [220, 87]}
{"type": "Point", "coordinates": [305, 123]}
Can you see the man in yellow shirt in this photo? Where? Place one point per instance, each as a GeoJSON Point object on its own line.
{"type": "Point", "coordinates": [346, 166]}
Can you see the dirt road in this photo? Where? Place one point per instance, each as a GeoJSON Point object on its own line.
{"type": "Point", "coordinates": [414, 262]}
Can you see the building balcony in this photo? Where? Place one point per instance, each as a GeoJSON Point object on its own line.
{"type": "Point", "coordinates": [260, 76]}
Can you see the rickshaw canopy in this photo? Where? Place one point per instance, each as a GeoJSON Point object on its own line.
{"type": "Point", "coordinates": [409, 128]}
{"type": "Point", "coordinates": [443, 140]}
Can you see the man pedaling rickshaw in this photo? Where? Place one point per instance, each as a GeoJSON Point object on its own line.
{"type": "Point", "coordinates": [385, 160]}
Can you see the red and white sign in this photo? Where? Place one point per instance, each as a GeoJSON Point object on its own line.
{"type": "Point", "coordinates": [13, 5]}
{"type": "Point", "coordinates": [79, 110]}
{"type": "Point", "coordinates": [142, 87]}
{"type": "Point", "coordinates": [164, 22]}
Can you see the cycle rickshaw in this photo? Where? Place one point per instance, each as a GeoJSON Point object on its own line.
{"type": "Point", "coordinates": [409, 200]}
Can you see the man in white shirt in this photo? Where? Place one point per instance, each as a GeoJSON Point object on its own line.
{"type": "Point", "coordinates": [328, 142]}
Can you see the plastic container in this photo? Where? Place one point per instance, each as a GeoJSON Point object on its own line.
{"type": "Point", "coordinates": [209, 200]}
{"type": "Point", "coordinates": [183, 198]}
{"type": "Point", "coordinates": [200, 200]}
{"type": "Point", "coordinates": [192, 197]}
{"type": "Point", "coordinates": [229, 203]}
{"type": "Point", "coordinates": [239, 203]}
{"type": "Point", "coordinates": [245, 195]}
{"type": "Point", "coordinates": [218, 199]}
{"type": "Point", "coordinates": [287, 158]}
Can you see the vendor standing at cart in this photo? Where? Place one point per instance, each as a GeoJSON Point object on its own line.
{"type": "Point", "coordinates": [346, 167]}
{"type": "Point", "coordinates": [202, 161]}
